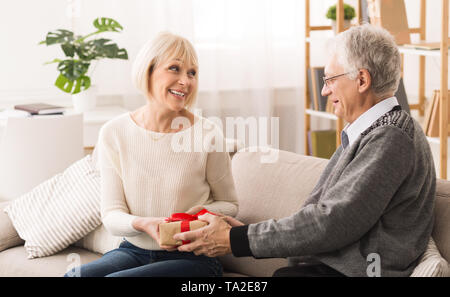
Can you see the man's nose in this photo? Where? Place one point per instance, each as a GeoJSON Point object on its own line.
{"type": "Point", "coordinates": [325, 90]}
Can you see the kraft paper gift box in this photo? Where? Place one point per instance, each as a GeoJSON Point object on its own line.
{"type": "Point", "coordinates": [168, 230]}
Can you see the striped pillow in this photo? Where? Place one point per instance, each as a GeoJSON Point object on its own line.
{"type": "Point", "coordinates": [59, 211]}
{"type": "Point", "coordinates": [432, 264]}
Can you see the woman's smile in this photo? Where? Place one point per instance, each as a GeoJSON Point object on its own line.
{"type": "Point", "coordinates": [178, 94]}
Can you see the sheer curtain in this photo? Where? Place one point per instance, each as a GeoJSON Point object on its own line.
{"type": "Point", "coordinates": [251, 63]}
{"type": "Point", "coordinates": [251, 55]}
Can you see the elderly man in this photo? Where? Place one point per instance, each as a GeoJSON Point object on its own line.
{"type": "Point", "coordinates": [374, 200]}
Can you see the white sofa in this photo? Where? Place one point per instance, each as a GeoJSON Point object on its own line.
{"type": "Point", "coordinates": [265, 190]}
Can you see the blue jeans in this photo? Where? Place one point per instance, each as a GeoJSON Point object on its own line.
{"type": "Point", "coordinates": [131, 261]}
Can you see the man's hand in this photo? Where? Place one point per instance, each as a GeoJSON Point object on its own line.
{"type": "Point", "coordinates": [212, 240]}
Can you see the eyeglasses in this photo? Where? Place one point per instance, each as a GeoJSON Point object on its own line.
{"type": "Point", "coordinates": [327, 79]}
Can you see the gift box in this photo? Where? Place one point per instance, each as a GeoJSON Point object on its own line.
{"type": "Point", "coordinates": [177, 223]}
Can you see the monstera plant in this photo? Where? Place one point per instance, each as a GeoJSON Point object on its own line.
{"type": "Point", "coordinates": [81, 51]}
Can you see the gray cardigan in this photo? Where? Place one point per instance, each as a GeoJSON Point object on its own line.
{"type": "Point", "coordinates": [376, 196]}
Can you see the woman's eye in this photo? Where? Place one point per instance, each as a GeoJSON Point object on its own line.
{"type": "Point", "coordinates": [192, 73]}
{"type": "Point", "coordinates": [174, 68]}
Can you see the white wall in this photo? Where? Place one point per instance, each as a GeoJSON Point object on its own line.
{"type": "Point", "coordinates": [23, 77]}
{"type": "Point", "coordinates": [23, 24]}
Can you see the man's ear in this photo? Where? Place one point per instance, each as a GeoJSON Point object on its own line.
{"type": "Point", "coordinates": [364, 80]}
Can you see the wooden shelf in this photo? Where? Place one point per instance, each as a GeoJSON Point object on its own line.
{"type": "Point", "coordinates": [442, 54]}
{"type": "Point", "coordinates": [308, 111]}
{"type": "Point", "coordinates": [437, 140]}
{"type": "Point", "coordinates": [310, 39]}
{"type": "Point", "coordinates": [419, 52]}
{"type": "Point", "coordinates": [420, 106]}
{"type": "Point", "coordinates": [321, 114]}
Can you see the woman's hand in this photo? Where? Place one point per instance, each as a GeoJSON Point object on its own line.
{"type": "Point", "coordinates": [150, 225]}
{"type": "Point", "coordinates": [232, 221]}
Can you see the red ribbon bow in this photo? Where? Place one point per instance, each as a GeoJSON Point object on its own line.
{"type": "Point", "coordinates": [185, 219]}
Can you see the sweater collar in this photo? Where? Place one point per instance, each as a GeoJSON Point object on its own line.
{"type": "Point", "coordinates": [365, 120]}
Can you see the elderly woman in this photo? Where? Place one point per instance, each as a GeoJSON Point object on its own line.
{"type": "Point", "coordinates": [371, 213]}
{"type": "Point", "coordinates": [146, 178]}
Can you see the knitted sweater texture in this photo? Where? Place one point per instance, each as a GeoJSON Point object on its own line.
{"type": "Point", "coordinates": [374, 200]}
{"type": "Point", "coordinates": [151, 174]}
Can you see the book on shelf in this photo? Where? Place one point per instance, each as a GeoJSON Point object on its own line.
{"type": "Point", "coordinates": [315, 83]}
{"type": "Point", "coordinates": [391, 15]}
{"type": "Point", "coordinates": [323, 143]}
{"type": "Point", "coordinates": [41, 108]}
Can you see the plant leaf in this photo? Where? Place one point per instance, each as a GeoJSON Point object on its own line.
{"type": "Point", "coordinates": [82, 84]}
{"type": "Point", "coordinates": [68, 49]}
{"type": "Point", "coordinates": [64, 84]}
{"type": "Point", "coordinates": [85, 50]}
{"type": "Point", "coordinates": [122, 54]}
{"type": "Point", "coordinates": [73, 69]}
{"type": "Point", "coordinates": [58, 36]}
{"type": "Point", "coordinates": [107, 24]}
{"type": "Point", "coordinates": [54, 61]}
{"type": "Point", "coordinates": [105, 48]}
{"type": "Point", "coordinates": [100, 48]}
{"type": "Point", "coordinates": [73, 87]}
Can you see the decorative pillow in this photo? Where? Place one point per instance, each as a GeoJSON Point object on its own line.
{"type": "Point", "coordinates": [432, 264]}
{"type": "Point", "coordinates": [8, 235]}
{"type": "Point", "coordinates": [99, 241]}
{"type": "Point", "coordinates": [59, 211]}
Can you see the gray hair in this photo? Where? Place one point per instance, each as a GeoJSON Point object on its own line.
{"type": "Point", "coordinates": [374, 49]}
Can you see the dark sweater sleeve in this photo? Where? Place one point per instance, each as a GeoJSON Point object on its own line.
{"type": "Point", "coordinates": [353, 200]}
{"type": "Point", "coordinates": [240, 246]}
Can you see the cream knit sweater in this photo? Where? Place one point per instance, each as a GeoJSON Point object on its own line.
{"type": "Point", "coordinates": [151, 174]}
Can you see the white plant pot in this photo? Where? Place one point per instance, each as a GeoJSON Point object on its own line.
{"type": "Point", "coordinates": [347, 24]}
{"type": "Point", "coordinates": [86, 100]}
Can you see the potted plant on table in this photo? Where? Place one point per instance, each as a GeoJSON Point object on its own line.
{"type": "Point", "coordinates": [80, 52]}
{"type": "Point", "coordinates": [349, 14]}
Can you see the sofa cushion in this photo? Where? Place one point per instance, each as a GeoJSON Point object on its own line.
{"type": "Point", "coordinates": [59, 211]}
{"type": "Point", "coordinates": [8, 234]}
{"type": "Point", "coordinates": [431, 263]}
{"type": "Point", "coordinates": [441, 230]}
{"type": "Point", "coordinates": [14, 262]}
{"type": "Point", "coordinates": [99, 241]}
{"type": "Point", "coordinates": [270, 191]}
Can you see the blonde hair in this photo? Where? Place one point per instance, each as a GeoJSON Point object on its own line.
{"type": "Point", "coordinates": [164, 47]}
